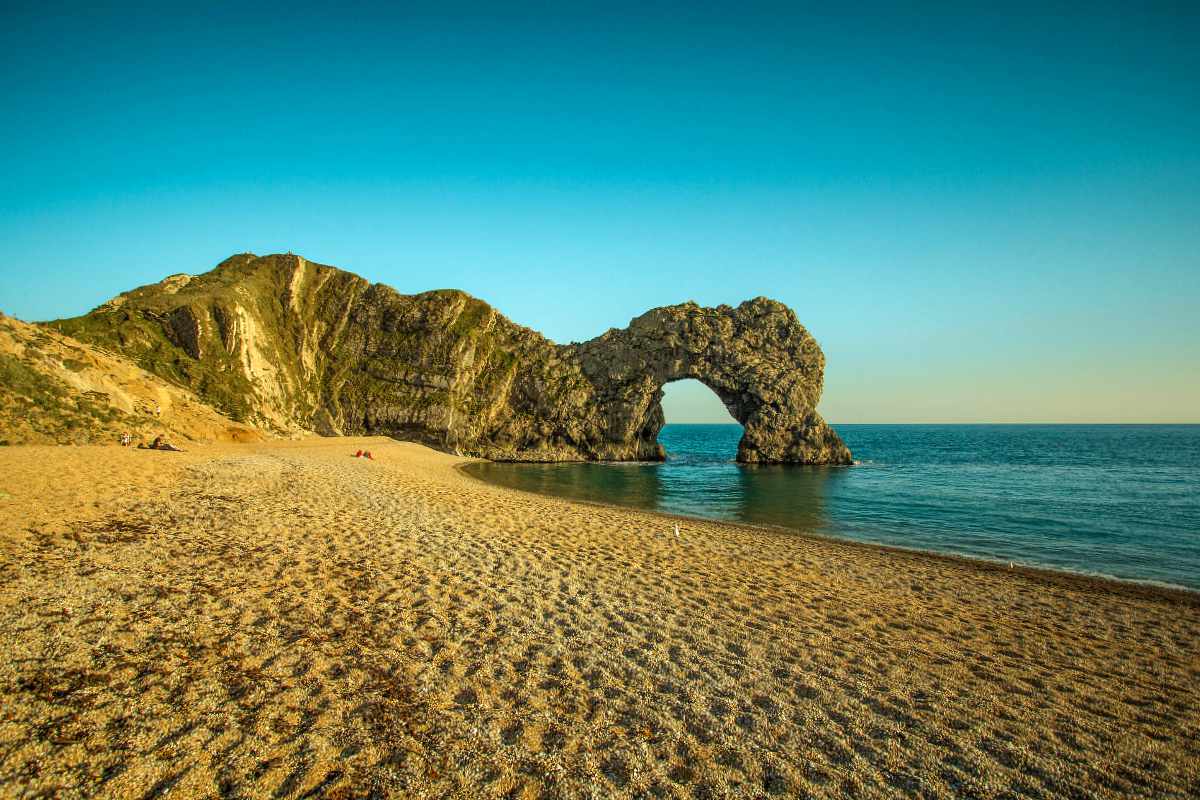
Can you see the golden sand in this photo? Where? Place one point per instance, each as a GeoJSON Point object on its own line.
{"type": "Point", "coordinates": [283, 620]}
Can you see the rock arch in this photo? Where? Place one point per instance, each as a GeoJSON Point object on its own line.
{"type": "Point", "coordinates": [760, 361]}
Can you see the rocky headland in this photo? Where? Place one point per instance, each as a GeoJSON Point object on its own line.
{"type": "Point", "coordinates": [288, 345]}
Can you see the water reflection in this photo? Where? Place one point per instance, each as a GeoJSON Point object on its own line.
{"type": "Point", "coordinates": [636, 485]}
{"type": "Point", "coordinates": [788, 497]}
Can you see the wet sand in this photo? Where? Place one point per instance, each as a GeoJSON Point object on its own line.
{"type": "Point", "coordinates": [283, 620]}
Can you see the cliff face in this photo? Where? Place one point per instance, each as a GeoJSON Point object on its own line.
{"type": "Point", "coordinates": [286, 344]}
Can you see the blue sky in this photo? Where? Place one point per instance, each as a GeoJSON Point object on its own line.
{"type": "Point", "coordinates": [983, 214]}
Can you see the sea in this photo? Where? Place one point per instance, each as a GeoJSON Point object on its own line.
{"type": "Point", "coordinates": [1120, 501]}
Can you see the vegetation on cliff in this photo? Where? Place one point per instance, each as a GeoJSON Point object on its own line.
{"type": "Point", "coordinates": [58, 390]}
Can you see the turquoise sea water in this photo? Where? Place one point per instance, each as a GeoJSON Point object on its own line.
{"type": "Point", "coordinates": [1118, 500]}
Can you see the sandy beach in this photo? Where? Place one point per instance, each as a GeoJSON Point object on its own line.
{"type": "Point", "coordinates": [283, 620]}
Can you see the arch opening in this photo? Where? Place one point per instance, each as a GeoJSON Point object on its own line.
{"type": "Point", "coordinates": [699, 427]}
{"type": "Point", "coordinates": [689, 402]}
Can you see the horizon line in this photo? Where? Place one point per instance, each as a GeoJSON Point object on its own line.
{"type": "Point", "coordinates": [668, 422]}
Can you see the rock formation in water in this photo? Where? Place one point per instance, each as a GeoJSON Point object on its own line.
{"type": "Point", "coordinates": [289, 345]}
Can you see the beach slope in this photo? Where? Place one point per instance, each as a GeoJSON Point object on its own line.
{"type": "Point", "coordinates": [283, 620]}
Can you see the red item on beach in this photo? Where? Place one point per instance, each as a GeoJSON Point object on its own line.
{"type": "Point", "coordinates": [358, 454]}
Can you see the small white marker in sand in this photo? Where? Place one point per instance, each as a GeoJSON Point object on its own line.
{"type": "Point", "coordinates": [676, 530]}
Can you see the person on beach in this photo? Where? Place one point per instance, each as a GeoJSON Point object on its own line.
{"type": "Point", "coordinates": [126, 439]}
{"type": "Point", "coordinates": [160, 443]}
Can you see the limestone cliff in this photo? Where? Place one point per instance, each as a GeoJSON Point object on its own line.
{"type": "Point", "coordinates": [287, 344]}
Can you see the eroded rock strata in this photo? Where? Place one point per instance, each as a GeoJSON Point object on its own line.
{"type": "Point", "coordinates": [287, 344]}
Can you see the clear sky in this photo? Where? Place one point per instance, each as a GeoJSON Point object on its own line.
{"type": "Point", "coordinates": [983, 214]}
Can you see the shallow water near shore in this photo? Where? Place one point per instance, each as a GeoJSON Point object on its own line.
{"type": "Point", "coordinates": [1116, 500]}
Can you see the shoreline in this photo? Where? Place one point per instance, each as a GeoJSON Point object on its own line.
{"type": "Point", "coordinates": [282, 619]}
{"type": "Point", "coordinates": [1145, 587]}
